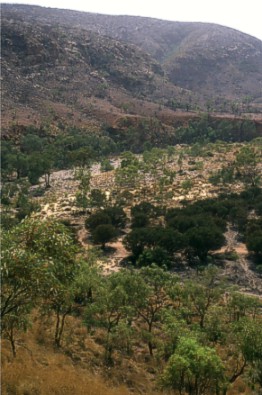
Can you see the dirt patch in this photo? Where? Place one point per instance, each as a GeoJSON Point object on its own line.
{"type": "Point", "coordinates": [239, 271]}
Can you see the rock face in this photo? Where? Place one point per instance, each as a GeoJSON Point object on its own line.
{"type": "Point", "coordinates": [97, 67]}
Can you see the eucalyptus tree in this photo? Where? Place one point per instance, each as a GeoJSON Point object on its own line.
{"type": "Point", "coordinates": [150, 300]}
{"type": "Point", "coordinates": [97, 198]}
{"type": "Point", "coordinates": [127, 176]}
{"type": "Point", "coordinates": [128, 159]}
{"type": "Point", "coordinates": [244, 351]}
{"type": "Point", "coordinates": [200, 294]}
{"type": "Point", "coordinates": [83, 176]}
{"type": "Point", "coordinates": [194, 369]}
{"type": "Point", "coordinates": [38, 268]}
{"type": "Point", "coordinates": [112, 309]}
{"type": "Point", "coordinates": [154, 162]}
{"type": "Point", "coordinates": [246, 164]}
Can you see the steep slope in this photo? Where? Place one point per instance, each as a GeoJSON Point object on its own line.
{"type": "Point", "coordinates": [42, 58]}
{"type": "Point", "coordinates": [206, 58]}
{"type": "Point", "coordinates": [62, 67]}
{"type": "Point", "coordinates": [220, 60]}
{"type": "Point", "coordinates": [53, 69]}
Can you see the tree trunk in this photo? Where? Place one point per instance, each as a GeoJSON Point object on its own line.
{"type": "Point", "coordinates": [12, 342]}
{"type": "Point", "coordinates": [108, 350]}
{"type": "Point", "coordinates": [235, 376]}
{"type": "Point", "coordinates": [57, 343]}
{"type": "Point", "coordinates": [47, 180]}
{"type": "Point", "coordinates": [60, 323]}
{"type": "Point", "coordinates": [150, 348]}
{"type": "Point", "coordinates": [150, 345]}
{"type": "Point", "coordinates": [201, 323]}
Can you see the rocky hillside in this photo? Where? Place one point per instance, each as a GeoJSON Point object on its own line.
{"type": "Point", "coordinates": [206, 58]}
{"type": "Point", "coordinates": [89, 69]}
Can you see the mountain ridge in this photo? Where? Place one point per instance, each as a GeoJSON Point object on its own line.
{"type": "Point", "coordinates": [101, 67]}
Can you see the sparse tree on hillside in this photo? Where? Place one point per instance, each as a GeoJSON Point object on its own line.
{"type": "Point", "coordinates": [83, 175]}
{"type": "Point", "coordinates": [201, 293]}
{"type": "Point", "coordinates": [246, 164]}
{"type": "Point", "coordinates": [111, 307]}
{"type": "Point", "coordinates": [180, 161]}
{"type": "Point", "coordinates": [151, 299]}
{"type": "Point", "coordinates": [127, 177]}
{"type": "Point", "coordinates": [97, 198]}
{"type": "Point", "coordinates": [244, 351]}
{"type": "Point", "coordinates": [128, 159]}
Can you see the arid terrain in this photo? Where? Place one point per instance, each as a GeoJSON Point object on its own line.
{"type": "Point", "coordinates": [90, 70]}
{"type": "Point", "coordinates": [131, 211]}
{"type": "Point", "coordinates": [59, 202]}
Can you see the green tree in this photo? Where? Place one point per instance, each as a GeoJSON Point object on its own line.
{"type": "Point", "coordinates": [25, 206]}
{"type": "Point", "coordinates": [56, 245]}
{"type": "Point", "coordinates": [12, 160]}
{"type": "Point", "coordinates": [97, 198]}
{"type": "Point", "coordinates": [20, 163]}
{"type": "Point", "coordinates": [244, 350]}
{"type": "Point", "coordinates": [88, 278]}
{"type": "Point", "coordinates": [128, 159]}
{"type": "Point", "coordinates": [112, 306]}
{"type": "Point", "coordinates": [254, 242]}
{"type": "Point", "coordinates": [21, 270]}
{"type": "Point", "coordinates": [106, 165]}
{"type": "Point", "coordinates": [246, 164]}
{"type": "Point", "coordinates": [39, 165]}
{"type": "Point", "coordinates": [117, 215]}
{"type": "Point", "coordinates": [38, 264]}
{"type": "Point", "coordinates": [102, 234]}
{"type": "Point", "coordinates": [240, 305]}
{"type": "Point", "coordinates": [146, 208]}
{"type": "Point", "coordinates": [83, 176]}
{"type": "Point", "coordinates": [202, 239]}
{"type": "Point", "coordinates": [98, 218]}
{"type": "Point", "coordinates": [157, 255]}
{"type": "Point", "coordinates": [13, 324]}
{"type": "Point", "coordinates": [201, 293]}
{"type": "Point", "coordinates": [170, 239]}
{"type": "Point", "coordinates": [150, 299]}
{"type": "Point", "coordinates": [113, 215]}
{"type": "Point", "coordinates": [80, 157]}
{"type": "Point", "coordinates": [136, 240]}
{"type": "Point", "coordinates": [193, 369]}
{"type": "Point", "coordinates": [127, 177]}
{"type": "Point", "coordinates": [166, 238]}
{"type": "Point", "coordinates": [252, 349]}
{"type": "Point", "coordinates": [140, 220]}
{"type": "Point", "coordinates": [31, 143]}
